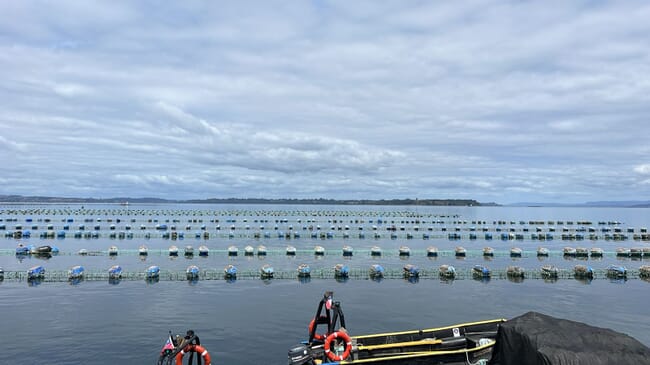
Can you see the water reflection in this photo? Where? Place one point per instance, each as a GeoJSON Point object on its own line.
{"type": "Point", "coordinates": [34, 282]}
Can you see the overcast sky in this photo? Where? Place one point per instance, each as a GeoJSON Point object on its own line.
{"type": "Point", "coordinates": [500, 101]}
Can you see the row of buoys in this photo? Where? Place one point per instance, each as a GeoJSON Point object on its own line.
{"type": "Point", "coordinates": [158, 223]}
{"type": "Point", "coordinates": [174, 235]}
{"type": "Point", "coordinates": [413, 217]}
{"type": "Point", "coordinates": [347, 250]}
{"type": "Point", "coordinates": [232, 215]}
{"type": "Point", "coordinates": [376, 271]}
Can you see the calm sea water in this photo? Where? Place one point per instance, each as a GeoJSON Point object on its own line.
{"type": "Point", "coordinates": [254, 321]}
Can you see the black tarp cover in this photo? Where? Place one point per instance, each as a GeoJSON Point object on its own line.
{"type": "Point", "coordinates": [535, 338]}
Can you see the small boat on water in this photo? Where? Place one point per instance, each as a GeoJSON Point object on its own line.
{"type": "Point", "coordinates": [230, 272]}
{"type": "Point", "coordinates": [204, 250]}
{"type": "Point", "coordinates": [178, 346]}
{"type": "Point", "coordinates": [249, 250]}
{"type": "Point", "coordinates": [447, 271]}
{"type": "Point", "coordinates": [341, 271]}
{"type": "Point", "coordinates": [460, 251]}
{"type": "Point", "coordinates": [76, 272]}
{"type": "Point", "coordinates": [319, 250]}
{"type": "Point", "coordinates": [233, 250]}
{"type": "Point", "coordinates": [303, 271]}
{"type": "Point", "coordinates": [376, 271]}
{"type": "Point", "coordinates": [115, 272]}
{"type": "Point", "coordinates": [375, 251]}
{"type": "Point", "coordinates": [192, 272]}
{"type": "Point", "coordinates": [616, 272]}
{"type": "Point", "coordinates": [583, 271]}
{"type": "Point", "coordinates": [549, 271]}
{"type": "Point", "coordinates": [36, 272]}
{"type": "Point", "coordinates": [488, 251]}
{"type": "Point", "coordinates": [410, 271]}
{"type": "Point", "coordinates": [173, 250]}
{"type": "Point", "coordinates": [404, 251]}
{"type": "Point", "coordinates": [152, 272]}
{"type": "Point", "coordinates": [113, 251]}
{"type": "Point", "coordinates": [143, 250]}
{"type": "Point", "coordinates": [261, 250]}
{"type": "Point", "coordinates": [347, 250]}
{"type": "Point", "coordinates": [432, 251]}
{"type": "Point", "coordinates": [40, 250]}
{"type": "Point", "coordinates": [542, 252]}
{"type": "Point", "coordinates": [290, 251]}
{"type": "Point", "coordinates": [455, 344]}
{"type": "Point", "coordinates": [266, 271]}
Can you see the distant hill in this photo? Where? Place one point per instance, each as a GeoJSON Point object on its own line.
{"type": "Point", "coordinates": [319, 201]}
{"type": "Point", "coordinates": [594, 204]}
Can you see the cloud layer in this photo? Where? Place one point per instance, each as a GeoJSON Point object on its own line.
{"type": "Point", "coordinates": [490, 100]}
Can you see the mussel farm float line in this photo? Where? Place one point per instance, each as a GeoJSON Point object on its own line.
{"type": "Point", "coordinates": [393, 252]}
{"type": "Point", "coordinates": [324, 273]}
{"type": "Point", "coordinates": [177, 235]}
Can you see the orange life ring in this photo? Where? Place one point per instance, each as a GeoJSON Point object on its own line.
{"type": "Point", "coordinates": [194, 348]}
{"type": "Point", "coordinates": [348, 346]}
{"type": "Point", "coordinates": [317, 336]}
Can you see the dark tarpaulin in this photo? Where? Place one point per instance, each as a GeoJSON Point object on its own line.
{"type": "Point", "coordinates": [535, 338]}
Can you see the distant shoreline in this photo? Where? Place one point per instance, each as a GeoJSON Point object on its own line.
{"type": "Point", "coordinates": [18, 199]}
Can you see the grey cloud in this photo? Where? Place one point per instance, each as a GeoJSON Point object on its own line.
{"type": "Point", "coordinates": [503, 101]}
